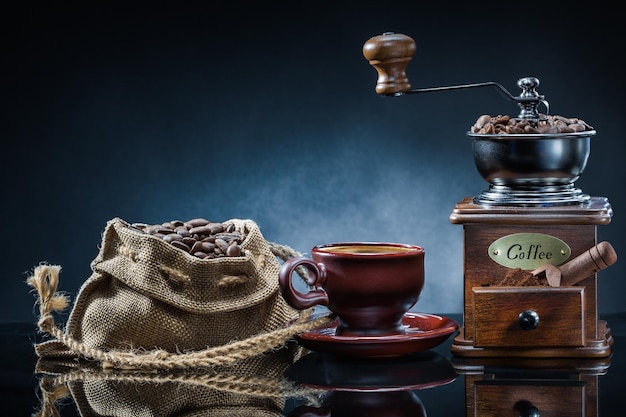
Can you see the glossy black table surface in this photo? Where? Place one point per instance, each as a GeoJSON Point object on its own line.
{"type": "Point", "coordinates": [433, 383]}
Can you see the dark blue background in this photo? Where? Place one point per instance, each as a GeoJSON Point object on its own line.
{"type": "Point", "coordinates": [268, 112]}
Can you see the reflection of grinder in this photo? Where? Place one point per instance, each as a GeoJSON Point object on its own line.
{"type": "Point", "coordinates": [531, 387]}
{"type": "Point", "coordinates": [530, 216]}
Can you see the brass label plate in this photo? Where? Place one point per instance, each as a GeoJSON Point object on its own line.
{"type": "Point", "coordinates": [529, 250]}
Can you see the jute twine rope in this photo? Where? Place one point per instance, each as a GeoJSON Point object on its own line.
{"type": "Point", "coordinates": [45, 279]}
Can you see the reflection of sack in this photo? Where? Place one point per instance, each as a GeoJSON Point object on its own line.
{"type": "Point", "coordinates": [225, 393]}
{"type": "Point", "coordinates": [148, 303]}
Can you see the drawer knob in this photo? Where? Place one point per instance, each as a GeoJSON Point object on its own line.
{"type": "Point", "coordinates": [527, 409]}
{"type": "Point", "coordinates": [528, 319]}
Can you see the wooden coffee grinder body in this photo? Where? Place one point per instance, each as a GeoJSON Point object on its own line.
{"type": "Point", "coordinates": [521, 320]}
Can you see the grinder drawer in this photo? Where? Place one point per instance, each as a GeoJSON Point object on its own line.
{"type": "Point", "coordinates": [530, 398]}
{"type": "Point", "coordinates": [528, 316]}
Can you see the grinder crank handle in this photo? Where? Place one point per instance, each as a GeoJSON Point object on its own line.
{"type": "Point", "coordinates": [597, 258]}
{"type": "Point", "coordinates": [390, 53]}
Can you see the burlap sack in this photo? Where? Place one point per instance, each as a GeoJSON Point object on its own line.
{"type": "Point", "coordinates": [149, 304]}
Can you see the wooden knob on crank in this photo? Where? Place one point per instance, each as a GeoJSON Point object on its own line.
{"type": "Point", "coordinates": [390, 54]}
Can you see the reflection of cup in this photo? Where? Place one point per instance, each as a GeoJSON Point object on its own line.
{"type": "Point", "coordinates": [369, 286]}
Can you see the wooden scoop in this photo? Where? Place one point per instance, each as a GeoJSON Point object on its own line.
{"type": "Point", "coordinates": [593, 260]}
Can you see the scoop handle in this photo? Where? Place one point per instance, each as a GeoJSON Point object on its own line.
{"type": "Point", "coordinates": [597, 258]}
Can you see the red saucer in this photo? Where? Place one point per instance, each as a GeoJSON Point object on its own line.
{"type": "Point", "coordinates": [422, 332]}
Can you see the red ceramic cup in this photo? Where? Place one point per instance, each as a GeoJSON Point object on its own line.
{"type": "Point", "coordinates": [369, 286]}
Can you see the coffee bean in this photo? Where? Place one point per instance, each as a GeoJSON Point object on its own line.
{"type": "Point", "coordinates": [199, 237]}
{"type": "Point", "coordinates": [216, 228]}
{"type": "Point", "coordinates": [182, 230]}
{"type": "Point", "coordinates": [197, 247]}
{"type": "Point", "coordinates": [180, 245]}
{"type": "Point", "coordinates": [482, 121]}
{"type": "Point", "coordinates": [228, 237]}
{"type": "Point", "coordinates": [530, 129]}
{"type": "Point", "coordinates": [201, 230]}
{"type": "Point", "coordinates": [221, 244]}
{"type": "Point", "coordinates": [233, 250]}
{"type": "Point", "coordinates": [172, 237]}
{"type": "Point", "coordinates": [164, 230]}
{"type": "Point", "coordinates": [207, 247]}
{"type": "Point", "coordinates": [196, 222]}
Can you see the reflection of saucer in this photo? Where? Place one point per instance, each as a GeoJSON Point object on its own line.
{"type": "Point", "coordinates": [401, 373]}
{"type": "Point", "coordinates": [422, 332]}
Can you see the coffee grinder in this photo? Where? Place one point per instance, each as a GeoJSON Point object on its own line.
{"type": "Point", "coordinates": [531, 254]}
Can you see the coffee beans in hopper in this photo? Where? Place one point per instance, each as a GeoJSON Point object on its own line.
{"type": "Point", "coordinates": [199, 237]}
{"type": "Point", "coordinates": [500, 124]}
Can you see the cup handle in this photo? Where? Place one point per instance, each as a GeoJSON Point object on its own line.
{"type": "Point", "coordinates": [295, 298]}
